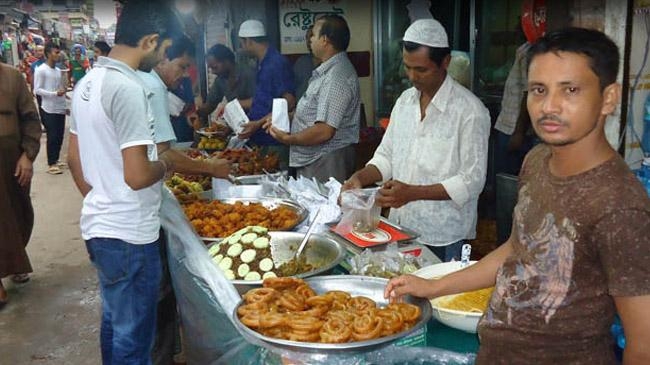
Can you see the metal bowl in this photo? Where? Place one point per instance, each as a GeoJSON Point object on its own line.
{"type": "Point", "coordinates": [370, 287]}
{"type": "Point", "coordinates": [321, 251]}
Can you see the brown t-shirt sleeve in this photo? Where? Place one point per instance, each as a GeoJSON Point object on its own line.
{"type": "Point", "coordinates": [623, 242]}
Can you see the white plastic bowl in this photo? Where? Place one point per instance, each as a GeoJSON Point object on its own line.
{"type": "Point", "coordinates": [464, 321]}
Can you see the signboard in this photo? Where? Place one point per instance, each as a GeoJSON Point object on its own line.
{"type": "Point", "coordinates": [296, 16]}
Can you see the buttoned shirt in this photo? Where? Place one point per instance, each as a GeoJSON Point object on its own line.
{"type": "Point", "coordinates": [274, 78]}
{"type": "Point", "coordinates": [513, 91]}
{"type": "Point", "coordinates": [450, 147]}
{"type": "Point", "coordinates": [332, 97]}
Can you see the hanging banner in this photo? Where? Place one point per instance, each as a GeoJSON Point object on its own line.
{"type": "Point", "coordinates": [297, 16]}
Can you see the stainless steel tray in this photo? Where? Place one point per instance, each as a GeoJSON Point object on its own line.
{"type": "Point", "coordinates": [320, 249]}
{"type": "Point", "coordinates": [269, 203]}
{"type": "Point", "coordinates": [370, 287]}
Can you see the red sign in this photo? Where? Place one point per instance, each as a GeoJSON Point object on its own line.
{"type": "Point", "coordinates": [533, 19]}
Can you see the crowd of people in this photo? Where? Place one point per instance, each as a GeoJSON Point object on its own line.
{"type": "Point", "coordinates": [578, 252]}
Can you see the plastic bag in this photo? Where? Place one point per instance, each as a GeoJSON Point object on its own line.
{"type": "Point", "coordinates": [359, 211]}
{"type": "Point", "coordinates": [387, 264]}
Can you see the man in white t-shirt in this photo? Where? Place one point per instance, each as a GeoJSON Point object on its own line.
{"type": "Point", "coordinates": [50, 86]}
{"type": "Point", "coordinates": [114, 162]}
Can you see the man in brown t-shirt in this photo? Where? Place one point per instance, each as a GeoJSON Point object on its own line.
{"type": "Point", "coordinates": [580, 245]}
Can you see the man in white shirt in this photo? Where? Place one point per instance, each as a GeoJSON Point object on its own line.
{"type": "Point", "coordinates": [115, 165]}
{"type": "Point", "coordinates": [432, 160]}
{"type": "Point", "coordinates": [50, 86]}
{"type": "Point", "coordinates": [167, 75]}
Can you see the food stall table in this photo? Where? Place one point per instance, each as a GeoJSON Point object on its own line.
{"type": "Point", "coordinates": [206, 302]}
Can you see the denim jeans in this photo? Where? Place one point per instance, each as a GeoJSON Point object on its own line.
{"type": "Point", "coordinates": [129, 281]}
{"type": "Point", "coordinates": [449, 252]}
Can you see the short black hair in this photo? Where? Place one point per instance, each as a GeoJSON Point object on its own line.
{"type": "Point", "coordinates": [103, 46]}
{"type": "Point", "coordinates": [181, 45]}
{"type": "Point", "coordinates": [601, 51]}
{"type": "Point", "coordinates": [48, 48]}
{"type": "Point", "coordinates": [436, 54]}
{"type": "Point", "coordinates": [140, 18]}
{"type": "Point", "coordinates": [221, 53]}
{"type": "Point", "coordinates": [336, 29]}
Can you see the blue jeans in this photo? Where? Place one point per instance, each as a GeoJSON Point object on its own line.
{"type": "Point", "coordinates": [449, 252]}
{"type": "Point", "coordinates": [129, 281]}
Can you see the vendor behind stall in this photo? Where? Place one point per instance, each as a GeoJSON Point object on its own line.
{"type": "Point", "coordinates": [274, 80]}
{"type": "Point", "coordinates": [167, 75]}
{"type": "Point", "coordinates": [233, 81]}
{"type": "Point", "coordinates": [579, 249]}
{"type": "Point", "coordinates": [432, 159]}
{"type": "Point", "coordinates": [325, 126]}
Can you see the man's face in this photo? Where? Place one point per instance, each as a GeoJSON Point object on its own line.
{"type": "Point", "coordinates": [245, 46]}
{"type": "Point", "coordinates": [154, 57]}
{"type": "Point", "coordinates": [317, 42]}
{"type": "Point", "coordinates": [53, 56]}
{"type": "Point", "coordinates": [217, 67]}
{"type": "Point", "coordinates": [77, 53]}
{"type": "Point", "coordinates": [97, 52]}
{"type": "Point", "coordinates": [424, 74]}
{"type": "Point", "coordinates": [565, 102]}
{"type": "Point", "coordinates": [172, 72]}
{"type": "Point", "coordinates": [38, 52]}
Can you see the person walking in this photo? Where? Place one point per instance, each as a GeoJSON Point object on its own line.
{"type": "Point", "coordinates": [49, 84]}
{"type": "Point", "coordinates": [20, 132]}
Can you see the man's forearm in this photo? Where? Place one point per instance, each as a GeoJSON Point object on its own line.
{"type": "Point", "coordinates": [315, 135]}
{"type": "Point", "coordinates": [430, 192]}
{"type": "Point", "coordinates": [74, 164]}
{"type": "Point", "coordinates": [184, 164]}
{"type": "Point", "coordinates": [368, 175]}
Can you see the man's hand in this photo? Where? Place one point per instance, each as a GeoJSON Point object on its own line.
{"type": "Point", "coordinates": [60, 93]}
{"type": "Point", "coordinates": [394, 194]}
{"type": "Point", "coordinates": [24, 171]}
{"type": "Point", "coordinates": [279, 135]}
{"type": "Point", "coordinates": [352, 183]}
{"type": "Point", "coordinates": [250, 128]}
{"type": "Point", "coordinates": [409, 285]}
{"type": "Point", "coordinates": [219, 167]}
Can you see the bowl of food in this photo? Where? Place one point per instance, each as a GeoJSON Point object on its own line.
{"type": "Point", "coordinates": [254, 253]}
{"type": "Point", "coordinates": [461, 311]}
{"type": "Point", "coordinates": [328, 314]}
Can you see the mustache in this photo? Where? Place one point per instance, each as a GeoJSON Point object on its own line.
{"type": "Point", "coordinates": [552, 117]}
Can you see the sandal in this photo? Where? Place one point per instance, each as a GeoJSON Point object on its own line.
{"type": "Point", "coordinates": [20, 278]}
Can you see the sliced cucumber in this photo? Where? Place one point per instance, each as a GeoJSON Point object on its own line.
{"type": "Point", "coordinates": [253, 276]}
{"type": "Point", "coordinates": [266, 264]}
{"type": "Point", "coordinates": [269, 274]}
{"type": "Point", "coordinates": [213, 250]}
{"type": "Point", "coordinates": [234, 239]}
{"type": "Point", "coordinates": [260, 229]}
{"type": "Point", "coordinates": [226, 263]}
{"type": "Point", "coordinates": [230, 275]}
{"type": "Point", "coordinates": [242, 270]}
{"type": "Point", "coordinates": [235, 250]}
{"type": "Point", "coordinates": [261, 242]}
{"type": "Point", "coordinates": [248, 238]}
{"type": "Point", "coordinates": [248, 256]}
{"type": "Point", "coordinates": [217, 259]}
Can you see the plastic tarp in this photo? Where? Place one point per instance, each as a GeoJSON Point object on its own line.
{"type": "Point", "coordinates": [206, 301]}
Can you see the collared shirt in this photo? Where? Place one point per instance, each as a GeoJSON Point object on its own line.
{"type": "Point", "coordinates": [513, 91]}
{"type": "Point", "coordinates": [110, 113]}
{"type": "Point", "coordinates": [163, 130]}
{"type": "Point", "coordinates": [274, 78]}
{"type": "Point", "coordinates": [333, 98]}
{"type": "Point", "coordinates": [449, 147]}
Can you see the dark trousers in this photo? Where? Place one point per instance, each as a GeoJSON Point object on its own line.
{"type": "Point", "coordinates": [54, 128]}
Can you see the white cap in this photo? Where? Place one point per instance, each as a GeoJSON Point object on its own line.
{"type": "Point", "coordinates": [251, 29]}
{"type": "Point", "coordinates": [427, 32]}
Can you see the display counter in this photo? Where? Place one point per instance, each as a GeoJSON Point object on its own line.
{"type": "Point", "coordinates": [206, 301]}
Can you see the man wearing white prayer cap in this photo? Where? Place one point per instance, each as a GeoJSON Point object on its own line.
{"type": "Point", "coordinates": [432, 160]}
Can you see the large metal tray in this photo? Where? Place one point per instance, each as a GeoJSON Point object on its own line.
{"type": "Point", "coordinates": [320, 250]}
{"type": "Point", "coordinates": [269, 203]}
{"type": "Point", "coordinates": [370, 287]}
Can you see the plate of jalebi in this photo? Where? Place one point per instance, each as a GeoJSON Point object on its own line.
{"type": "Point", "coordinates": [328, 314]}
{"type": "Point", "coordinates": [461, 311]}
